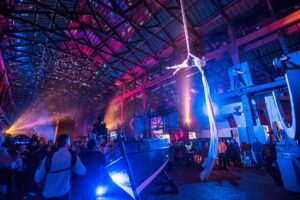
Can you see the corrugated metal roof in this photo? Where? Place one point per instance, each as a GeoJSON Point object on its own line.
{"type": "Point", "coordinates": [102, 40]}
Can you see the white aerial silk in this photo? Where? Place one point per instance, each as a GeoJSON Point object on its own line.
{"type": "Point", "coordinates": [200, 63]}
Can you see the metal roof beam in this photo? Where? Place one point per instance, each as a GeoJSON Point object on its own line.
{"type": "Point", "coordinates": [95, 51]}
{"type": "Point", "coordinates": [63, 35]}
{"type": "Point", "coordinates": [70, 16]}
{"type": "Point", "coordinates": [177, 18]}
{"type": "Point", "coordinates": [115, 33]}
{"type": "Point", "coordinates": [135, 25]}
{"type": "Point", "coordinates": [44, 12]}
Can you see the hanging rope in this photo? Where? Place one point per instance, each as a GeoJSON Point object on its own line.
{"type": "Point", "coordinates": [185, 28]}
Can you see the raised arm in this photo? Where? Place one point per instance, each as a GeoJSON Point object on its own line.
{"type": "Point", "coordinates": [79, 168]}
{"type": "Point", "coordinates": [40, 172]}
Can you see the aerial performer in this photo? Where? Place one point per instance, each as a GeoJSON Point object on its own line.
{"type": "Point", "coordinates": [194, 61]}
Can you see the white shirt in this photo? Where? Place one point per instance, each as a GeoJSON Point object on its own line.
{"type": "Point", "coordinates": [58, 184]}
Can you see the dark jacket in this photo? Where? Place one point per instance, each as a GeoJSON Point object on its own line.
{"type": "Point", "coordinates": [257, 147]}
{"type": "Point", "coordinates": [93, 162]}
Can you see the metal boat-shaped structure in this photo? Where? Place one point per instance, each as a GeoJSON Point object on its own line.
{"type": "Point", "coordinates": [133, 166]}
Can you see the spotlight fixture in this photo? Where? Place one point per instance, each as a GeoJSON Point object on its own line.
{"type": "Point", "coordinates": [100, 190]}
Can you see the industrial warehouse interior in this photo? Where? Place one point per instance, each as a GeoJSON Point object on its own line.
{"type": "Point", "coordinates": [149, 99]}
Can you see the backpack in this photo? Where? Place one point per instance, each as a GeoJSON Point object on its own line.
{"type": "Point", "coordinates": [49, 161]}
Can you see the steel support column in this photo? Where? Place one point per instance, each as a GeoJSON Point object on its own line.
{"type": "Point", "coordinates": [145, 108]}
{"type": "Point", "coordinates": [233, 48]}
{"type": "Point", "coordinates": [280, 34]}
{"type": "Point", "coordinates": [122, 105]}
{"type": "Point", "coordinates": [248, 117]}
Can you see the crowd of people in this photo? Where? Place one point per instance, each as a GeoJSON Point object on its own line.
{"type": "Point", "coordinates": [187, 152]}
{"type": "Point", "coordinates": [230, 153]}
{"type": "Point", "coordinates": [40, 170]}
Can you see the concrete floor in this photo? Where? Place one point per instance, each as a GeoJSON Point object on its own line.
{"type": "Point", "coordinates": [233, 184]}
{"type": "Point", "coordinates": [236, 183]}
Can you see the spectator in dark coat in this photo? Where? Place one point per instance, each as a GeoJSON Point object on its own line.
{"type": "Point", "coordinates": [228, 150]}
{"type": "Point", "coordinates": [93, 160]}
{"type": "Point", "coordinates": [235, 153]}
{"type": "Point", "coordinates": [34, 158]}
{"type": "Point", "coordinates": [7, 164]}
{"type": "Point", "coordinates": [270, 164]}
{"type": "Point", "coordinates": [257, 149]}
{"type": "Point", "coordinates": [48, 149]}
